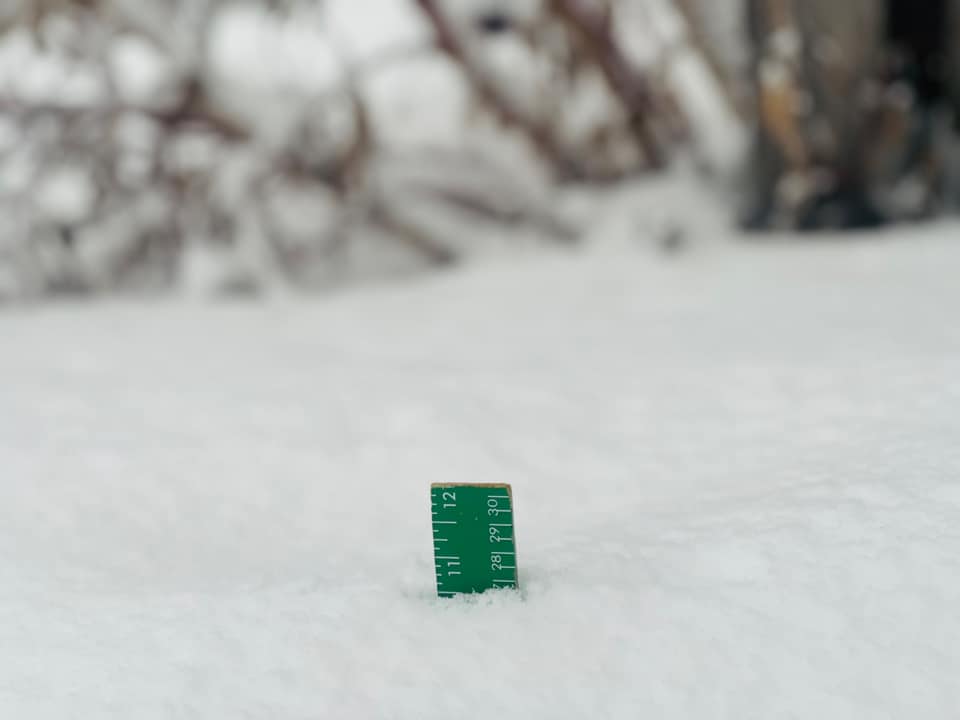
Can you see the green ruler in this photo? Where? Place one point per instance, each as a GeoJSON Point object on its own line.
{"type": "Point", "coordinates": [473, 543]}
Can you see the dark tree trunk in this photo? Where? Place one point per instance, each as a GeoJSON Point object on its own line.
{"type": "Point", "coordinates": [832, 140]}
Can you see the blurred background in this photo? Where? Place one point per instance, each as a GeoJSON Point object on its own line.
{"type": "Point", "coordinates": [226, 147]}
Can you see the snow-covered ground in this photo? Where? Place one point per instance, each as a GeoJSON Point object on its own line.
{"type": "Point", "coordinates": [736, 475]}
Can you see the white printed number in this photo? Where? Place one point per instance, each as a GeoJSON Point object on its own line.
{"type": "Point", "coordinates": [493, 508]}
{"type": "Point", "coordinates": [449, 500]}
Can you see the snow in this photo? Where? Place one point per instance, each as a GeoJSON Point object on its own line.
{"type": "Point", "coordinates": [272, 55]}
{"type": "Point", "coordinates": [29, 75]}
{"type": "Point", "coordinates": [142, 75]}
{"type": "Point", "coordinates": [66, 195]}
{"type": "Point", "coordinates": [419, 103]}
{"type": "Point", "coordinates": [368, 29]}
{"type": "Point", "coordinates": [735, 475]}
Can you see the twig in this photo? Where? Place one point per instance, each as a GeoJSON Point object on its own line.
{"type": "Point", "coordinates": [383, 216]}
{"type": "Point", "coordinates": [698, 40]}
{"type": "Point", "coordinates": [540, 134]}
{"type": "Point", "coordinates": [630, 86]}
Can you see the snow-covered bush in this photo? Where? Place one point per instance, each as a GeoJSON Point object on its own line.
{"type": "Point", "coordinates": [221, 145]}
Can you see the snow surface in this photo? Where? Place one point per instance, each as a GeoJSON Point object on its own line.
{"type": "Point", "coordinates": [735, 474]}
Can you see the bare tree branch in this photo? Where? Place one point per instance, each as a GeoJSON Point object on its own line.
{"type": "Point", "coordinates": [593, 25]}
{"type": "Point", "coordinates": [540, 134]}
{"type": "Point", "coordinates": [699, 40]}
{"type": "Point", "coordinates": [385, 217]}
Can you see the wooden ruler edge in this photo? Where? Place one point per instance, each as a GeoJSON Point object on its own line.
{"type": "Point", "coordinates": [434, 486]}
